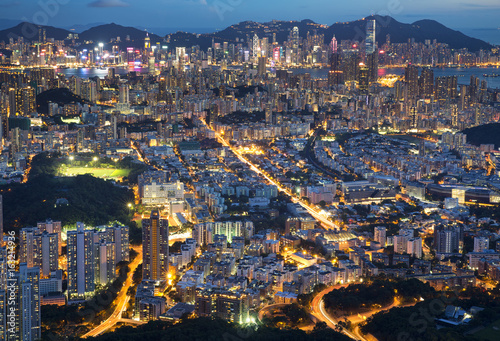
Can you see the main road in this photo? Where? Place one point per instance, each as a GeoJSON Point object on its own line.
{"type": "Point", "coordinates": [318, 311]}
{"type": "Point", "coordinates": [325, 222]}
{"type": "Point", "coordinates": [121, 300]}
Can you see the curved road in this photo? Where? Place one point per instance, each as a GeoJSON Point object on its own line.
{"type": "Point", "coordinates": [121, 300]}
{"type": "Point", "coordinates": [328, 224]}
{"type": "Point", "coordinates": [318, 311]}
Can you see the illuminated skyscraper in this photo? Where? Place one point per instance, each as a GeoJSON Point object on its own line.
{"type": "Point", "coordinates": [411, 81]}
{"type": "Point", "coordinates": [335, 75]}
{"type": "Point", "coordinates": [25, 101]}
{"type": "Point", "coordinates": [350, 64]}
{"type": "Point", "coordinates": [372, 64]}
{"type": "Point", "coordinates": [363, 79]}
{"type": "Point", "coordinates": [81, 263]}
{"type": "Point", "coordinates": [426, 83]}
{"type": "Point", "coordinates": [370, 37]}
{"type": "Point", "coordinates": [295, 37]}
{"type": "Point", "coordinates": [92, 258]}
{"type": "Point", "coordinates": [123, 94]}
{"type": "Point", "coordinates": [155, 247]}
{"type": "Point", "coordinates": [180, 55]}
{"type": "Point", "coordinates": [39, 249]}
{"type": "Point", "coordinates": [261, 70]}
{"type": "Point", "coordinates": [255, 46]}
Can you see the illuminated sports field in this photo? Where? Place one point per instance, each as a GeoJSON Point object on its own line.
{"type": "Point", "coordinates": [96, 172]}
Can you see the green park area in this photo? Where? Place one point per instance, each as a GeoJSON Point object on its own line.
{"type": "Point", "coordinates": [98, 172]}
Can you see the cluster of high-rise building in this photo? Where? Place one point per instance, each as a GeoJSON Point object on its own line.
{"type": "Point", "coordinates": [92, 256]}
{"type": "Point", "coordinates": [228, 139]}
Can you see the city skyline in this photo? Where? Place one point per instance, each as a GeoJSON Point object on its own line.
{"type": "Point", "coordinates": [218, 14]}
{"type": "Point", "coordinates": [298, 180]}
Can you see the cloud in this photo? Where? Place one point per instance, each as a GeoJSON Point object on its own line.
{"type": "Point", "coordinates": [108, 3]}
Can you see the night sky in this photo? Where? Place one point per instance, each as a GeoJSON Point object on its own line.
{"type": "Point", "coordinates": [217, 14]}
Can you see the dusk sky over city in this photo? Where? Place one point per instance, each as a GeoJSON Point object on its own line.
{"type": "Point", "coordinates": [220, 13]}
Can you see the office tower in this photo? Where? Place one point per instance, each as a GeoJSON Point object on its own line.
{"type": "Point", "coordinates": [481, 244]}
{"type": "Point", "coordinates": [151, 64]}
{"type": "Point", "coordinates": [454, 116]}
{"type": "Point", "coordinates": [147, 42]}
{"type": "Point", "coordinates": [380, 235]}
{"type": "Point", "coordinates": [335, 75]}
{"type": "Point", "coordinates": [372, 64]}
{"type": "Point", "coordinates": [414, 247]}
{"type": "Point", "coordinates": [39, 249]}
{"type": "Point", "coordinates": [123, 94]}
{"type": "Point", "coordinates": [295, 41]}
{"type": "Point", "coordinates": [255, 46]}
{"type": "Point", "coordinates": [426, 83]}
{"type": "Point", "coordinates": [52, 227]}
{"type": "Point", "coordinates": [295, 37]}
{"type": "Point", "coordinates": [81, 263]}
{"type": "Point", "coordinates": [448, 239]}
{"type": "Point", "coordinates": [411, 81]}
{"type": "Point", "coordinates": [350, 64]}
{"type": "Point", "coordinates": [180, 55]}
{"type": "Point", "coordinates": [27, 325]}
{"type": "Point", "coordinates": [111, 73]}
{"type": "Point", "coordinates": [155, 247]}
{"type": "Point", "coordinates": [363, 79]}
{"type": "Point", "coordinates": [370, 37]}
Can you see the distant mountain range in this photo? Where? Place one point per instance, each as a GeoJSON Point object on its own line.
{"type": "Point", "coordinates": [399, 33]}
